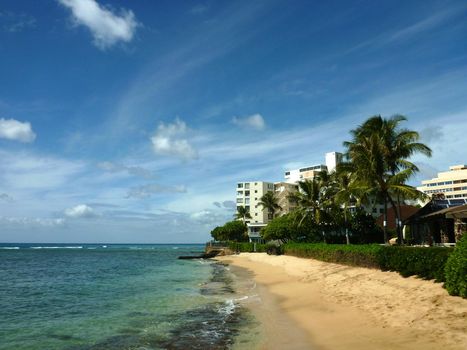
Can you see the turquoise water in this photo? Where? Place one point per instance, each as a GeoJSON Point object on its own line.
{"type": "Point", "coordinates": [114, 297]}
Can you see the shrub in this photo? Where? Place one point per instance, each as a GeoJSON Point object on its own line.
{"type": "Point", "coordinates": [424, 262]}
{"type": "Point", "coordinates": [355, 255]}
{"type": "Point", "coordinates": [456, 269]}
{"type": "Point", "coordinates": [427, 263]}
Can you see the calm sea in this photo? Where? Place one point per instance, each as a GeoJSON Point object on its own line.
{"type": "Point", "coordinates": [105, 296]}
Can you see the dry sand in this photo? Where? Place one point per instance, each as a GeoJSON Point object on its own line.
{"type": "Point", "coordinates": [308, 304]}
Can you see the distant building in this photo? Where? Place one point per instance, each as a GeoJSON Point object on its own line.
{"type": "Point", "coordinates": [249, 195]}
{"type": "Point", "coordinates": [309, 172]}
{"type": "Point", "coordinates": [282, 191]}
{"type": "Point", "coordinates": [452, 184]}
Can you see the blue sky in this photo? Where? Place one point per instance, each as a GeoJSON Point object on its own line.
{"type": "Point", "coordinates": [131, 121]}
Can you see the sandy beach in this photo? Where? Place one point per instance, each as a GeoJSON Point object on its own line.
{"type": "Point", "coordinates": [308, 304]}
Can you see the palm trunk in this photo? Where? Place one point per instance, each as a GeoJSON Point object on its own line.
{"type": "Point", "coordinates": [346, 226]}
{"type": "Point", "coordinates": [398, 221]}
{"type": "Point", "coordinates": [385, 220]}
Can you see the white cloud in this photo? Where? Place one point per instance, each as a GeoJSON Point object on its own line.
{"type": "Point", "coordinates": [106, 27]}
{"type": "Point", "coordinates": [80, 211]}
{"type": "Point", "coordinates": [168, 141]}
{"type": "Point", "coordinates": [146, 191]}
{"type": "Point", "coordinates": [255, 121]}
{"type": "Point", "coordinates": [12, 129]}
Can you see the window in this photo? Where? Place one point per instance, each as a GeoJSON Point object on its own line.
{"type": "Point", "coordinates": [374, 210]}
{"type": "Point", "coordinates": [381, 211]}
{"type": "Point", "coordinates": [247, 200]}
{"type": "Point", "coordinates": [239, 200]}
{"type": "Point", "coordinates": [256, 214]}
{"type": "Point", "coordinates": [287, 173]}
{"type": "Point", "coordinates": [256, 183]}
{"type": "Point", "coordinates": [247, 186]}
{"type": "Point", "coordinates": [256, 198]}
{"type": "Point", "coordinates": [239, 193]}
{"type": "Point", "coordinates": [256, 191]}
{"type": "Point", "coordinates": [239, 185]}
{"type": "Point", "coordinates": [247, 193]}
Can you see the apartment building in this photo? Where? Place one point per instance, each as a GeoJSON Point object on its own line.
{"type": "Point", "coordinates": [249, 195]}
{"type": "Point", "coordinates": [452, 184]}
{"type": "Point", "coordinates": [282, 191]}
{"type": "Point", "coordinates": [309, 172]}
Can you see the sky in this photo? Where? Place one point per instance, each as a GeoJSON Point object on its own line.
{"type": "Point", "coordinates": [132, 121]}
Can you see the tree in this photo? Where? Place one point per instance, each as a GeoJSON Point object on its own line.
{"type": "Point", "coordinates": [242, 213]}
{"type": "Point", "coordinates": [346, 192]}
{"type": "Point", "coordinates": [231, 231]}
{"type": "Point", "coordinates": [308, 201]}
{"type": "Point", "coordinates": [379, 152]}
{"type": "Point", "coordinates": [286, 228]}
{"type": "Point", "coordinates": [269, 201]}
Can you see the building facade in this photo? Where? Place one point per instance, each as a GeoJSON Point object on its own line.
{"type": "Point", "coordinates": [249, 195]}
{"type": "Point", "coordinates": [452, 184]}
{"type": "Point", "coordinates": [309, 172]}
{"type": "Point", "coordinates": [282, 191]}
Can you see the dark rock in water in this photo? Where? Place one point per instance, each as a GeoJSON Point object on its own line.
{"type": "Point", "coordinates": [209, 255]}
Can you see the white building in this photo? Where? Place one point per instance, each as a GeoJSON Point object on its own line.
{"type": "Point", "coordinates": [452, 184]}
{"type": "Point", "coordinates": [309, 172]}
{"type": "Point", "coordinates": [249, 195]}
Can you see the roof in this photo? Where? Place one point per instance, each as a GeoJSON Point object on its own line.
{"type": "Point", "coordinates": [405, 211]}
{"type": "Point", "coordinates": [453, 212]}
{"type": "Point", "coordinates": [437, 207]}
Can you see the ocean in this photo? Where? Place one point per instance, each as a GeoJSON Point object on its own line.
{"type": "Point", "coordinates": [108, 296]}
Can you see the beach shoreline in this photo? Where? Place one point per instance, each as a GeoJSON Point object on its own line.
{"type": "Point", "coordinates": [308, 304]}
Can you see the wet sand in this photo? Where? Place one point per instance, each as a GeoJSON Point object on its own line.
{"type": "Point", "coordinates": [308, 304]}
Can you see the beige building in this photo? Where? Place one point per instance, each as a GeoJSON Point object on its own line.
{"type": "Point", "coordinates": [249, 195]}
{"type": "Point", "coordinates": [282, 191]}
{"type": "Point", "coordinates": [452, 183]}
{"type": "Point", "coordinates": [309, 172]}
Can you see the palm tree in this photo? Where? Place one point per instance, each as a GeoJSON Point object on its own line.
{"type": "Point", "coordinates": [379, 152]}
{"type": "Point", "coordinates": [269, 201]}
{"type": "Point", "coordinates": [242, 213]}
{"type": "Point", "coordinates": [308, 200]}
{"type": "Point", "coordinates": [346, 191]}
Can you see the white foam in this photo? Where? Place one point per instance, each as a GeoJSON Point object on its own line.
{"type": "Point", "coordinates": [70, 247]}
{"type": "Point", "coordinates": [9, 247]}
{"type": "Point", "coordinates": [229, 307]}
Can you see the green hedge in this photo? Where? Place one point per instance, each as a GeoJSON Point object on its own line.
{"type": "Point", "coordinates": [355, 255]}
{"type": "Point", "coordinates": [427, 263]}
{"type": "Point", "coordinates": [456, 269]}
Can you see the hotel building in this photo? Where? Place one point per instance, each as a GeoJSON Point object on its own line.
{"type": "Point", "coordinates": [309, 172]}
{"type": "Point", "coordinates": [452, 184]}
{"type": "Point", "coordinates": [249, 195]}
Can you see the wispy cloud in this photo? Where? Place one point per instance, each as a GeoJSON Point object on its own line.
{"type": "Point", "coordinates": [255, 121]}
{"type": "Point", "coordinates": [6, 197]}
{"type": "Point", "coordinates": [107, 27]}
{"type": "Point", "coordinates": [199, 9]}
{"type": "Point", "coordinates": [169, 141]}
{"type": "Point", "coordinates": [131, 170]}
{"type": "Point", "coordinates": [15, 130]}
{"type": "Point", "coordinates": [146, 191]}
{"type": "Point", "coordinates": [16, 22]}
